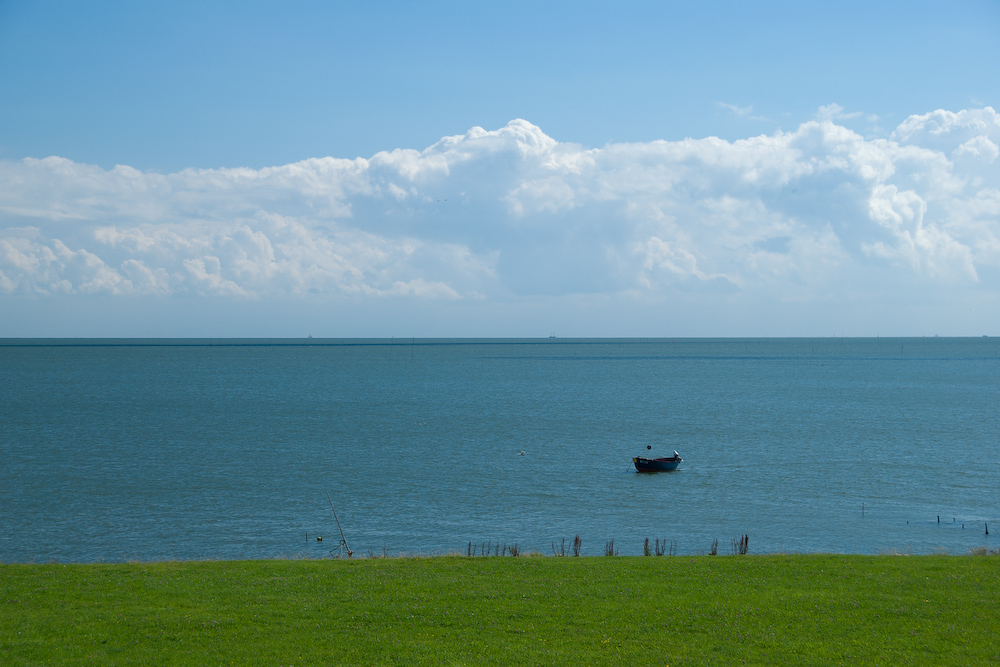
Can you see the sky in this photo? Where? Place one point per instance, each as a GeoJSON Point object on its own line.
{"type": "Point", "coordinates": [495, 169]}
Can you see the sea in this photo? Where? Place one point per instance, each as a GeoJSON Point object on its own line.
{"type": "Point", "coordinates": [148, 450]}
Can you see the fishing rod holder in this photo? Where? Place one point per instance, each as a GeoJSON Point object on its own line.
{"type": "Point", "coordinates": [341, 548]}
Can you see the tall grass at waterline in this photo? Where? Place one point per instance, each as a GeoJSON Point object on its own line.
{"type": "Point", "coordinates": [453, 610]}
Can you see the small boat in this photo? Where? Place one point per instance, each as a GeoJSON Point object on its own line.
{"type": "Point", "coordinates": [661, 464]}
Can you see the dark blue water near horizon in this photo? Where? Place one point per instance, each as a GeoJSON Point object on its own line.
{"type": "Point", "coordinates": [183, 449]}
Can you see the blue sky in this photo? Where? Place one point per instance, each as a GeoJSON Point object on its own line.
{"type": "Point", "coordinates": [481, 169]}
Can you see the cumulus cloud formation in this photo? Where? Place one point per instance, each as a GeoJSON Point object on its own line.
{"type": "Point", "coordinates": [512, 213]}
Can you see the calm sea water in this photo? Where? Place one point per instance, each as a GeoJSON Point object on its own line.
{"type": "Point", "coordinates": [120, 450]}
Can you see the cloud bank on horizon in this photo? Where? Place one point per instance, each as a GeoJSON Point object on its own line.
{"type": "Point", "coordinates": [511, 214]}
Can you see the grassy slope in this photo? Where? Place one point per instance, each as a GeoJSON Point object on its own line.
{"type": "Point", "coordinates": [889, 610]}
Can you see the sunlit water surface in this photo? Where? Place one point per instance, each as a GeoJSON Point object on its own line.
{"type": "Point", "coordinates": [121, 450]}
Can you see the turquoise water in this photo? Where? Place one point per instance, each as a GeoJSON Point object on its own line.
{"type": "Point", "coordinates": [120, 450]}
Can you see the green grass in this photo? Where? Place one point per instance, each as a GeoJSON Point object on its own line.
{"type": "Point", "coordinates": [815, 610]}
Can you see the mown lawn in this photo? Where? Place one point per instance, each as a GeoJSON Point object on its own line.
{"type": "Point", "coordinates": [801, 609]}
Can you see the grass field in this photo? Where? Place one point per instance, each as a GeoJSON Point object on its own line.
{"type": "Point", "coordinates": [761, 610]}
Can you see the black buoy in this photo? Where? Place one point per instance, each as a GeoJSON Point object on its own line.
{"type": "Point", "coordinates": [319, 539]}
{"type": "Point", "coordinates": [649, 446]}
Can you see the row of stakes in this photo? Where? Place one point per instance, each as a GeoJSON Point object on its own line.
{"type": "Point", "coordinates": [343, 540]}
{"type": "Point", "coordinates": [953, 520]}
{"type": "Point", "coordinates": [986, 526]}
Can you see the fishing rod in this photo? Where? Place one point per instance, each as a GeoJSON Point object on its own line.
{"type": "Point", "coordinates": [343, 538]}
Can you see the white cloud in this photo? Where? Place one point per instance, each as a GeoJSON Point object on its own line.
{"type": "Point", "coordinates": [736, 109]}
{"type": "Point", "coordinates": [510, 213]}
{"type": "Point", "coordinates": [836, 112]}
{"type": "Point", "coordinates": [979, 147]}
{"type": "Point", "coordinates": [945, 131]}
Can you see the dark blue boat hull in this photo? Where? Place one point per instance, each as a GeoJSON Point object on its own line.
{"type": "Point", "coordinates": [642, 464]}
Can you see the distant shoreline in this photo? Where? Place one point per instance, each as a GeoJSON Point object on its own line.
{"type": "Point", "coordinates": [431, 341]}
